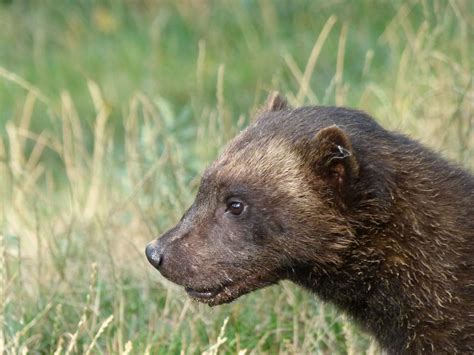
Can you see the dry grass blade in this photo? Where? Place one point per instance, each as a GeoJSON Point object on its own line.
{"type": "Point", "coordinates": [313, 58]}
{"type": "Point", "coordinates": [85, 311]}
{"type": "Point", "coordinates": [213, 350]}
{"type": "Point", "coordinates": [298, 75]}
{"type": "Point", "coordinates": [100, 141]}
{"type": "Point", "coordinates": [16, 339]}
{"type": "Point", "coordinates": [25, 85]}
{"type": "Point", "coordinates": [3, 282]}
{"type": "Point", "coordinates": [102, 328]}
{"type": "Point", "coordinates": [59, 347]}
{"type": "Point", "coordinates": [341, 50]}
{"type": "Point", "coordinates": [128, 348]}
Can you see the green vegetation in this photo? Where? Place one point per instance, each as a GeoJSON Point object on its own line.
{"type": "Point", "coordinates": [109, 112]}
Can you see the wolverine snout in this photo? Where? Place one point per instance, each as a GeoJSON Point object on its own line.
{"type": "Point", "coordinates": [154, 254]}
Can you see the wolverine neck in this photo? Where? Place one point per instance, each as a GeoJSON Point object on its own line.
{"type": "Point", "coordinates": [393, 295]}
{"type": "Point", "coordinates": [373, 301]}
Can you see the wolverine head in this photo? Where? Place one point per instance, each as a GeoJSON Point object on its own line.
{"type": "Point", "coordinates": [272, 203]}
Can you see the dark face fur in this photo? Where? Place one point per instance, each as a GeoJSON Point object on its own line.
{"type": "Point", "coordinates": [239, 234]}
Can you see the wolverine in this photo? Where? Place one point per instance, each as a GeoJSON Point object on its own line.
{"type": "Point", "coordinates": [366, 219]}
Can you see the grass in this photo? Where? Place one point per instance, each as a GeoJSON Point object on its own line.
{"type": "Point", "coordinates": [109, 112]}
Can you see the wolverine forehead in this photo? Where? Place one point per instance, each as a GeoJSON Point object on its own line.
{"type": "Point", "coordinates": [264, 162]}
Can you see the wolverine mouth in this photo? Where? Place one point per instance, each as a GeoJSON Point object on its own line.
{"type": "Point", "coordinates": [215, 296]}
{"type": "Point", "coordinates": [227, 293]}
{"type": "Point", "coordinates": [205, 294]}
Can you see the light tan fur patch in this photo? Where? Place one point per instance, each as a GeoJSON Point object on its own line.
{"type": "Point", "coordinates": [274, 162]}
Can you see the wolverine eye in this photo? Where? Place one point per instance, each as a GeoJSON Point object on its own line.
{"type": "Point", "coordinates": [235, 207]}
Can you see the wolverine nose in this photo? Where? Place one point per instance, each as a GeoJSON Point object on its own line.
{"type": "Point", "coordinates": [154, 254]}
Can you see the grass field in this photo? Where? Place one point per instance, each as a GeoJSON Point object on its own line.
{"type": "Point", "coordinates": [109, 112]}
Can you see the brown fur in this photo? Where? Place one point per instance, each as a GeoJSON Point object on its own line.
{"type": "Point", "coordinates": [366, 219]}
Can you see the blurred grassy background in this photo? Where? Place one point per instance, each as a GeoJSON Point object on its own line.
{"type": "Point", "coordinates": [109, 112]}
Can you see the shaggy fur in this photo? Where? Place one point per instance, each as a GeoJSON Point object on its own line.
{"type": "Point", "coordinates": [367, 219]}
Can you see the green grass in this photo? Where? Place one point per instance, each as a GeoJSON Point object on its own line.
{"type": "Point", "coordinates": [109, 112]}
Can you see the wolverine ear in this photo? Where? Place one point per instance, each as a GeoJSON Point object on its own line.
{"type": "Point", "coordinates": [275, 102]}
{"type": "Point", "coordinates": [335, 159]}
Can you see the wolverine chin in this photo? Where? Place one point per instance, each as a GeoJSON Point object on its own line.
{"type": "Point", "coordinates": [214, 296]}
